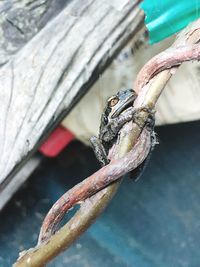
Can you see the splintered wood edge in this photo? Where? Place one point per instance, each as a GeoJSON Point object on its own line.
{"type": "Point", "coordinates": [19, 179]}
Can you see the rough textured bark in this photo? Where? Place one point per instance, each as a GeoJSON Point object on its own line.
{"type": "Point", "coordinates": [47, 76]}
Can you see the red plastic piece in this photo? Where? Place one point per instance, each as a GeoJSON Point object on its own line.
{"type": "Point", "coordinates": [56, 142]}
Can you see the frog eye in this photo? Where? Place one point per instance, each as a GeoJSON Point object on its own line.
{"type": "Point", "coordinates": [113, 101]}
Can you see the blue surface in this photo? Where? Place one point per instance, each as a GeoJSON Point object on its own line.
{"type": "Point", "coordinates": [154, 222]}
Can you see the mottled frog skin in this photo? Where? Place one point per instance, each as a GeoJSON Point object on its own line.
{"type": "Point", "coordinates": [111, 122]}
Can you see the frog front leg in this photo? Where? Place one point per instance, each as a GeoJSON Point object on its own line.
{"type": "Point", "coordinates": [111, 130]}
{"type": "Point", "coordinates": [99, 150]}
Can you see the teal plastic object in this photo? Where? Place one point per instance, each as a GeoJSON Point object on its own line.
{"type": "Point", "coordinates": [166, 17]}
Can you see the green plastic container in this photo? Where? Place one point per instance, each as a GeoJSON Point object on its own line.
{"type": "Point", "coordinates": [166, 17]}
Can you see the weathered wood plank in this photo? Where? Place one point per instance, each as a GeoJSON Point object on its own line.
{"type": "Point", "coordinates": [43, 80]}
{"type": "Point", "coordinates": [19, 179]}
{"type": "Point", "coordinates": [20, 20]}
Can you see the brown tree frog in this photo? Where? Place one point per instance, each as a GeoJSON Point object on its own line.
{"type": "Point", "coordinates": [111, 122]}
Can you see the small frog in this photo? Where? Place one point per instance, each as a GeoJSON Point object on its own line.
{"type": "Point", "coordinates": [112, 122]}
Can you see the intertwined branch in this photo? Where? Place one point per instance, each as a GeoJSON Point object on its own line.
{"type": "Point", "coordinates": [149, 84]}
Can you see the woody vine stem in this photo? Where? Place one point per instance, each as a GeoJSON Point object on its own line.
{"type": "Point", "coordinates": [149, 84]}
